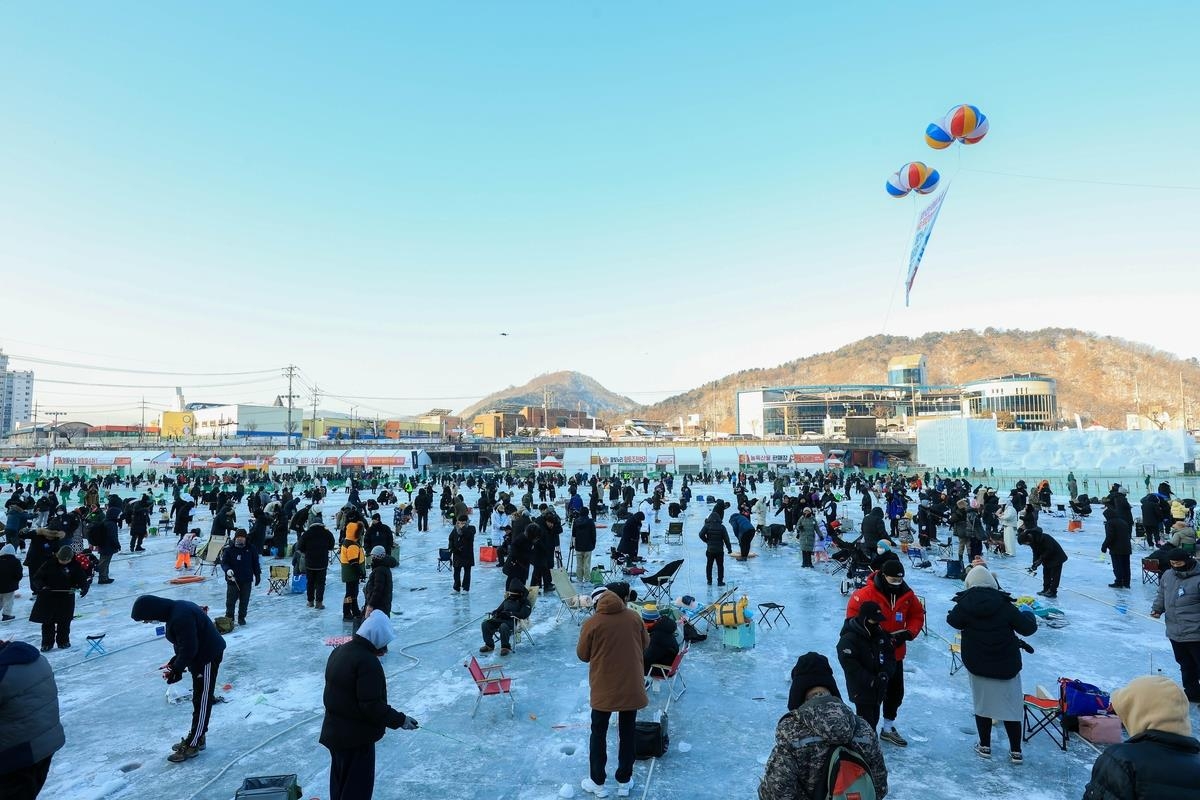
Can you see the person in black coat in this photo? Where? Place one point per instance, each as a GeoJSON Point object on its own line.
{"type": "Point", "coordinates": [1155, 511]}
{"type": "Point", "coordinates": [663, 645]}
{"type": "Point", "coordinates": [631, 535]}
{"type": "Point", "coordinates": [873, 529]}
{"type": "Point", "coordinates": [42, 547]}
{"type": "Point", "coordinates": [31, 731]}
{"type": "Point", "coordinates": [421, 505]}
{"type": "Point", "coordinates": [181, 513]}
{"type": "Point", "coordinates": [379, 535]}
{"type": "Point", "coordinates": [1018, 497]}
{"type": "Point", "coordinates": [357, 713]}
{"type": "Point", "coordinates": [54, 607]}
{"type": "Point", "coordinates": [1047, 554]}
{"type": "Point", "coordinates": [715, 536]}
{"type": "Point", "coordinates": [110, 540]}
{"type": "Point", "coordinates": [10, 580]}
{"type": "Point", "coordinates": [260, 523]}
{"type": "Point", "coordinates": [378, 591]}
{"type": "Point", "coordinates": [139, 523]}
{"type": "Point", "coordinates": [1118, 543]}
{"type": "Point", "coordinates": [583, 541]}
{"type": "Point", "coordinates": [199, 649]}
{"type": "Point", "coordinates": [316, 543]}
{"type": "Point", "coordinates": [461, 544]}
{"type": "Point", "coordinates": [1160, 758]}
{"type": "Point", "coordinates": [242, 573]}
{"type": "Point", "coordinates": [867, 656]}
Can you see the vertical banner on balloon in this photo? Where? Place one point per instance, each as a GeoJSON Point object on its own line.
{"type": "Point", "coordinates": [920, 239]}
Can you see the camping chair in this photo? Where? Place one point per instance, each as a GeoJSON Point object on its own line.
{"type": "Point", "coordinates": [523, 627]}
{"type": "Point", "coordinates": [674, 534]}
{"type": "Point", "coordinates": [569, 599]}
{"type": "Point", "coordinates": [709, 612]}
{"type": "Point", "coordinates": [772, 611]}
{"type": "Point", "coordinates": [443, 561]}
{"type": "Point", "coordinates": [1044, 714]}
{"type": "Point", "coordinates": [956, 655]}
{"type": "Point", "coordinates": [487, 684]}
{"type": "Point", "coordinates": [1151, 570]}
{"type": "Point", "coordinates": [95, 645]}
{"type": "Point", "coordinates": [917, 558]}
{"type": "Point", "coordinates": [670, 674]}
{"type": "Point", "coordinates": [210, 554]}
{"type": "Point", "coordinates": [278, 578]}
{"type": "Point", "coordinates": [658, 585]}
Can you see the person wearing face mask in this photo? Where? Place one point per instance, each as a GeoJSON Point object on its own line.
{"type": "Point", "coordinates": [903, 619]}
{"type": "Point", "coordinates": [867, 657]}
{"type": "Point", "coordinates": [241, 568]}
{"type": "Point", "coordinates": [1179, 599]}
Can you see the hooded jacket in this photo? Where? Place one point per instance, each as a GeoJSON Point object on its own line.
{"type": "Point", "coordinates": [863, 655]}
{"type": "Point", "coordinates": [873, 529]}
{"type": "Point", "coordinates": [196, 639]}
{"type": "Point", "coordinates": [902, 611]}
{"type": "Point", "coordinates": [664, 645]}
{"type": "Point", "coordinates": [1178, 599]}
{"type": "Point", "coordinates": [1117, 534]}
{"type": "Point", "coordinates": [630, 534]}
{"type": "Point", "coordinates": [612, 642]}
{"type": "Point", "coordinates": [378, 591]}
{"type": "Point", "coordinates": [316, 543]}
{"type": "Point", "coordinates": [1046, 549]}
{"type": "Point", "coordinates": [1161, 758]}
{"type": "Point", "coordinates": [804, 739]}
{"type": "Point", "coordinates": [30, 730]}
{"type": "Point", "coordinates": [583, 532]}
{"type": "Point", "coordinates": [990, 624]}
{"type": "Point", "coordinates": [356, 705]}
{"type": "Point", "coordinates": [10, 569]}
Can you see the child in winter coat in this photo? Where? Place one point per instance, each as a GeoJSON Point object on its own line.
{"type": "Point", "coordinates": [10, 580]}
{"type": "Point", "coordinates": [378, 591]}
{"type": "Point", "coordinates": [352, 559]}
{"type": "Point", "coordinates": [186, 549]}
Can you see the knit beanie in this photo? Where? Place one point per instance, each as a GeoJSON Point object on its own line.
{"type": "Point", "coordinates": [1152, 702]}
{"type": "Point", "coordinates": [811, 670]}
{"type": "Point", "coordinates": [980, 576]}
{"type": "Point", "coordinates": [378, 552]}
{"type": "Point", "coordinates": [599, 590]}
{"type": "Point", "coordinates": [892, 568]}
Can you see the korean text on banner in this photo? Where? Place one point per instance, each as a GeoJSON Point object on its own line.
{"type": "Point", "coordinates": [920, 239]}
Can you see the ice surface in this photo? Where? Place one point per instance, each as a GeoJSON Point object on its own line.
{"type": "Point", "coordinates": [119, 724]}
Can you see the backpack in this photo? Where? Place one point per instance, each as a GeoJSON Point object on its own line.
{"type": "Point", "coordinates": [846, 777]}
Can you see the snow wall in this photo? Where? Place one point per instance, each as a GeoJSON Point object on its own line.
{"type": "Point", "coordinates": [976, 443]}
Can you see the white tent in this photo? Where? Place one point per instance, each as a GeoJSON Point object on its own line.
{"type": "Point", "coordinates": [723, 457]}
{"type": "Point", "coordinates": [106, 460]}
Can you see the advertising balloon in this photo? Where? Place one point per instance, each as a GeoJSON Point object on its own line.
{"type": "Point", "coordinates": [916, 176]}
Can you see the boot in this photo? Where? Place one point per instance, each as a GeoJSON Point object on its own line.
{"type": "Point", "coordinates": [183, 742]}
{"type": "Point", "coordinates": [183, 754]}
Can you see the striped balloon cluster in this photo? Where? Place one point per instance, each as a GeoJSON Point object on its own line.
{"type": "Point", "coordinates": [915, 176]}
{"type": "Point", "coordinates": [965, 123]}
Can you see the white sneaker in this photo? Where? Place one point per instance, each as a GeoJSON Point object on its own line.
{"type": "Point", "coordinates": [592, 788]}
{"type": "Point", "coordinates": [623, 789]}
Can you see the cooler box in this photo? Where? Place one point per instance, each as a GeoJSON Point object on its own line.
{"type": "Point", "coordinates": [299, 584]}
{"type": "Point", "coordinates": [487, 555]}
{"type": "Point", "coordinates": [271, 787]}
{"type": "Point", "coordinates": [739, 636]}
{"type": "Point", "coordinates": [1101, 729]}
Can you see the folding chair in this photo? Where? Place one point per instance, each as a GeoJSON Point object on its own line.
{"type": "Point", "coordinates": [674, 534]}
{"type": "Point", "coordinates": [279, 578]}
{"type": "Point", "coordinates": [569, 599]}
{"type": "Point", "coordinates": [523, 627]}
{"type": "Point", "coordinates": [670, 674]}
{"type": "Point", "coordinates": [925, 610]}
{"type": "Point", "coordinates": [772, 611]}
{"type": "Point", "coordinates": [210, 554]}
{"type": "Point", "coordinates": [1151, 570]}
{"type": "Point", "coordinates": [1044, 714]}
{"type": "Point", "coordinates": [443, 562]}
{"type": "Point", "coordinates": [489, 685]}
{"type": "Point", "coordinates": [95, 645]}
{"type": "Point", "coordinates": [917, 557]}
{"type": "Point", "coordinates": [709, 612]}
{"type": "Point", "coordinates": [956, 655]}
{"type": "Point", "coordinates": [658, 585]}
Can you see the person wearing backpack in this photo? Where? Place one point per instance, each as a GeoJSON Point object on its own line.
{"type": "Point", "coordinates": [818, 737]}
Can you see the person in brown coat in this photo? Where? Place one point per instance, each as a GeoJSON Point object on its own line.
{"type": "Point", "coordinates": [611, 642]}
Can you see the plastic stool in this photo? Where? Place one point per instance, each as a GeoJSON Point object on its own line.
{"type": "Point", "coordinates": [765, 609]}
{"type": "Point", "coordinates": [95, 645]}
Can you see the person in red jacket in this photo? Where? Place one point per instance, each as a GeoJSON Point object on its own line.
{"type": "Point", "coordinates": [903, 618]}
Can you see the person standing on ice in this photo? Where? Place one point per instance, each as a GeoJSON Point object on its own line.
{"type": "Point", "coordinates": [199, 648]}
{"type": "Point", "coordinates": [241, 568]}
{"type": "Point", "coordinates": [30, 729]}
{"type": "Point", "coordinates": [357, 713]}
{"type": "Point", "coordinates": [1047, 554]}
{"type": "Point", "coordinates": [1179, 599]}
{"type": "Point", "coordinates": [612, 642]}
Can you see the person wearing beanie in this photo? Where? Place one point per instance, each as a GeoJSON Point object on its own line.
{"type": "Point", "coordinates": [612, 642]}
{"type": "Point", "coordinates": [903, 619]}
{"type": "Point", "coordinates": [1118, 543]}
{"type": "Point", "coordinates": [868, 658]}
{"type": "Point", "coordinates": [54, 608]}
{"type": "Point", "coordinates": [1179, 599]}
{"type": "Point", "coordinates": [199, 649]}
{"type": "Point", "coordinates": [1160, 758]}
{"type": "Point", "coordinates": [1047, 554]}
{"type": "Point", "coordinates": [991, 653]}
{"type": "Point", "coordinates": [242, 573]}
{"type": "Point", "coordinates": [503, 620]}
{"type": "Point", "coordinates": [664, 644]}
{"type": "Point", "coordinates": [883, 553]}
{"type": "Point", "coordinates": [315, 544]}
{"type": "Point", "coordinates": [10, 581]}
{"type": "Point", "coordinates": [817, 721]}
{"type": "Point", "coordinates": [461, 544]}
{"type": "Point", "coordinates": [377, 594]}
{"type": "Point", "coordinates": [357, 713]}
{"type": "Point", "coordinates": [379, 535]}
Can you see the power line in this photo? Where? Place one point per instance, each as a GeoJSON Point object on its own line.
{"type": "Point", "coordinates": [152, 386]}
{"type": "Point", "coordinates": [1056, 179]}
{"type": "Point", "coordinates": [53, 363]}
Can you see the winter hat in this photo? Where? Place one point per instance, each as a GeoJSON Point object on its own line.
{"type": "Point", "coordinates": [1179, 554]}
{"type": "Point", "coordinates": [980, 576]}
{"type": "Point", "coordinates": [378, 552]}
{"type": "Point", "coordinates": [811, 670]}
{"type": "Point", "coordinates": [1152, 702]}
{"type": "Point", "coordinates": [620, 589]}
{"type": "Point", "coordinates": [1164, 488]}
{"type": "Point", "coordinates": [962, 503]}
{"type": "Point", "coordinates": [870, 612]}
{"type": "Point", "coordinates": [8, 550]}
{"type": "Point", "coordinates": [650, 613]}
{"type": "Point", "coordinates": [892, 568]}
{"type": "Point", "coordinates": [1124, 490]}
{"type": "Point", "coordinates": [883, 546]}
{"type": "Point", "coordinates": [377, 629]}
{"type": "Point", "coordinates": [599, 590]}
{"type": "Point", "coordinates": [65, 554]}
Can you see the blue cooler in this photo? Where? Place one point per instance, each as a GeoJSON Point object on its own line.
{"type": "Point", "coordinates": [740, 637]}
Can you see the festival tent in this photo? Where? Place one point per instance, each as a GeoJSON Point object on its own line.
{"type": "Point", "coordinates": [688, 461]}
{"type": "Point", "coordinates": [550, 462]}
{"type": "Point", "coordinates": [723, 457]}
{"type": "Point", "coordinates": [106, 460]}
{"type": "Point", "coordinates": [291, 460]}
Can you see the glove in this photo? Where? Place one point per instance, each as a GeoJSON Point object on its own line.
{"type": "Point", "coordinates": [409, 724]}
{"type": "Point", "coordinates": [902, 636]}
{"type": "Point", "coordinates": [171, 675]}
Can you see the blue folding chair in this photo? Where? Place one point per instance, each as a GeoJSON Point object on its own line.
{"type": "Point", "coordinates": [95, 645]}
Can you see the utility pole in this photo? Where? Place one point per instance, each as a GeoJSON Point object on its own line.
{"type": "Point", "coordinates": [53, 428]}
{"type": "Point", "coordinates": [142, 427]}
{"type": "Point", "coordinates": [545, 408]}
{"type": "Point", "coordinates": [316, 395]}
{"type": "Point", "coordinates": [290, 372]}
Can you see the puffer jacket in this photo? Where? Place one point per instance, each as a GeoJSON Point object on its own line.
{"type": "Point", "coordinates": [30, 730]}
{"type": "Point", "coordinates": [990, 624]}
{"type": "Point", "coordinates": [803, 740]}
{"type": "Point", "coordinates": [806, 532]}
{"type": "Point", "coordinates": [1178, 599]}
{"type": "Point", "coordinates": [612, 642]}
{"type": "Point", "coordinates": [1150, 765]}
{"type": "Point", "coordinates": [715, 535]}
{"type": "Point", "coordinates": [195, 637]}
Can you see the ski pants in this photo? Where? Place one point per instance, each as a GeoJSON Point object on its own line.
{"type": "Point", "coordinates": [238, 594]}
{"type": "Point", "coordinates": [895, 692]}
{"type": "Point", "coordinates": [717, 558]}
{"type": "Point", "coordinates": [1051, 575]}
{"type": "Point", "coordinates": [204, 687]}
{"type": "Point", "coordinates": [598, 745]}
{"type": "Point", "coordinates": [314, 583]}
{"type": "Point", "coordinates": [1188, 656]}
{"type": "Point", "coordinates": [352, 773]}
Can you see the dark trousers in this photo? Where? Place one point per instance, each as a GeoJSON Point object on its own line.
{"type": "Point", "coordinates": [204, 687]}
{"type": "Point", "coordinates": [25, 783]}
{"type": "Point", "coordinates": [1011, 727]}
{"type": "Point", "coordinates": [56, 633]}
{"type": "Point", "coordinates": [1051, 575]}
{"type": "Point", "coordinates": [105, 558]}
{"type": "Point", "coordinates": [718, 559]}
{"type": "Point", "coordinates": [868, 709]}
{"type": "Point", "coordinates": [352, 773]}
{"type": "Point", "coordinates": [462, 577]}
{"type": "Point", "coordinates": [895, 691]}
{"type": "Point", "coordinates": [976, 548]}
{"type": "Point", "coordinates": [541, 577]}
{"type": "Point", "coordinates": [1120, 565]}
{"type": "Point", "coordinates": [422, 520]}
{"type": "Point", "coordinates": [315, 584]}
{"type": "Point", "coordinates": [239, 594]}
{"type": "Point", "coordinates": [807, 562]}
{"type": "Point", "coordinates": [598, 745]}
{"type": "Point", "coordinates": [1188, 656]}
{"type": "Point", "coordinates": [744, 543]}
{"type": "Point", "coordinates": [350, 602]}
{"type": "Point", "coordinates": [491, 627]}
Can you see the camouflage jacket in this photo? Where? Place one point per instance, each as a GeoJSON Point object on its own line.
{"type": "Point", "coordinates": [803, 740]}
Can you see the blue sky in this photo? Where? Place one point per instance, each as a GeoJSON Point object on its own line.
{"type": "Point", "coordinates": [654, 194]}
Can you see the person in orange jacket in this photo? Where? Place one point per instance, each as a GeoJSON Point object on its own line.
{"type": "Point", "coordinates": [903, 619]}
